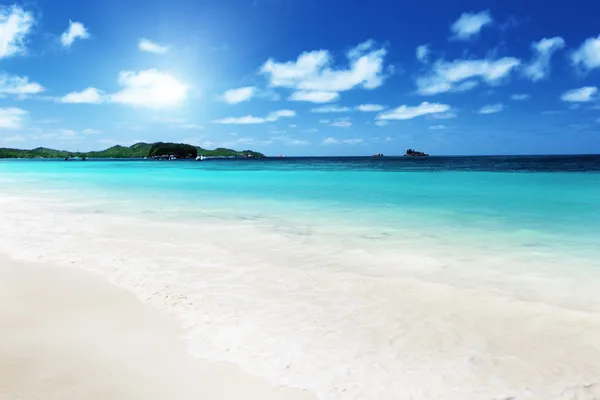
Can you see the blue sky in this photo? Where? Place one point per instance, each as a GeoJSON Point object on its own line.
{"type": "Point", "coordinates": [303, 77]}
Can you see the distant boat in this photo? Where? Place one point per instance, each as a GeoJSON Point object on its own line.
{"type": "Point", "coordinates": [200, 158]}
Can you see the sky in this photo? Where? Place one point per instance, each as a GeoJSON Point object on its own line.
{"type": "Point", "coordinates": [303, 77]}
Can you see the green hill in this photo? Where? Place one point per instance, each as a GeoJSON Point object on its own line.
{"type": "Point", "coordinates": [40, 152]}
{"type": "Point", "coordinates": [176, 149]}
{"type": "Point", "coordinates": [138, 150]}
{"type": "Point", "coordinates": [223, 152]}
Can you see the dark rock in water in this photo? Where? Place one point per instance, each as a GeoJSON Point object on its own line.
{"type": "Point", "coordinates": [378, 155]}
{"type": "Point", "coordinates": [414, 153]}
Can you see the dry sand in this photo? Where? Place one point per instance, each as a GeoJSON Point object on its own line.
{"type": "Point", "coordinates": [67, 334]}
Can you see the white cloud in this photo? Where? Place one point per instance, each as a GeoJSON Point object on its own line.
{"type": "Point", "coordinates": [249, 119]}
{"type": "Point", "coordinates": [438, 127]}
{"type": "Point", "coordinates": [90, 96]}
{"type": "Point", "coordinates": [381, 123]}
{"type": "Point", "coordinates": [293, 73]}
{"type": "Point", "coordinates": [191, 126]}
{"type": "Point", "coordinates": [353, 141]}
{"type": "Point", "coordinates": [587, 56]}
{"type": "Point", "coordinates": [76, 30]}
{"type": "Point", "coordinates": [149, 88]}
{"type": "Point", "coordinates": [282, 113]}
{"type": "Point", "coordinates": [581, 95]}
{"type": "Point", "coordinates": [491, 109]}
{"type": "Point", "coordinates": [297, 142]}
{"type": "Point", "coordinates": [313, 71]}
{"type": "Point", "coordinates": [341, 124]}
{"type": "Point", "coordinates": [91, 131]}
{"type": "Point", "coordinates": [18, 85]}
{"type": "Point", "coordinates": [312, 130]}
{"type": "Point", "coordinates": [370, 107]}
{"type": "Point", "coordinates": [465, 86]}
{"type": "Point", "coordinates": [462, 75]}
{"type": "Point", "coordinates": [331, 140]}
{"type": "Point", "coordinates": [152, 47]}
{"type": "Point", "coordinates": [11, 117]}
{"type": "Point", "coordinates": [469, 25]}
{"type": "Point", "coordinates": [448, 115]}
{"type": "Point", "coordinates": [268, 94]}
{"type": "Point", "coordinates": [407, 112]}
{"type": "Point", "coordinates": [422, 53]}
{"type": "Point", "coordinates": [15, 25]}
{"type": "Point", "coordinates": [520, 96]}
{"type": "Point", "coordinates": [330, 109]}
{"type": "Point", "coordinates": [234, 96]}
{"type": "Point", "coordinates": [314, 96]}
{"type": "Point", "coordinates": [539, 67]}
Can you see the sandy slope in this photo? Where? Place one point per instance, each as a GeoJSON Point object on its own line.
{"type": "Point", "coordinates": [66, 334]}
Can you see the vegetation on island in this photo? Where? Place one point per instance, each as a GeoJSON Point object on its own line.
{"type": "Point", "coordinates": [414, 153]}
{"type": "Point", "coordinates": [40, 152]}
{"type": "Point", "coordinates": [138, 150]}
{"type": "Point", "coordinates": [179, 150]}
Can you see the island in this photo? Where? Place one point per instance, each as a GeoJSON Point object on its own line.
{"type": "Point", "coordinates": [158, 150]}
{"type": "Point", "coordinates": [414, 153]}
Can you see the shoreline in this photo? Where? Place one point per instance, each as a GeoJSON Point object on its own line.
{"type": "Point", "coordinates": [339, 331]}
{"type": "Point", "coordinates": [65, 333]}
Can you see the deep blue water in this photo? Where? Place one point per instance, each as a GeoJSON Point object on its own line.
{"type": "Point", "coordinates": [536, 163]}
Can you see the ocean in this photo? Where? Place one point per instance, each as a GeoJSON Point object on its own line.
{"type": "Point", "coordinates": [355, 278]}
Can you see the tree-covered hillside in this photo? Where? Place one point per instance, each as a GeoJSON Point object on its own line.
{"type": "Point", "coordinates": [179, 150]}
{"type": "Point", "coordinates": [40, 152]}
{"type": "Point", "coordinates": [138, 150]}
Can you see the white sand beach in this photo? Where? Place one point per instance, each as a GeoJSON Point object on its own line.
{"type": "Point", "coordinates": [67, 334]}
{"type": "Point", "coordinates": [112, 303]}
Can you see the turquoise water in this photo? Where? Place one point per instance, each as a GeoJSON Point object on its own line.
{"type": "Point", "coordinates": [548, 197]}
{"type": "Point", "coordinates": [357, 278]}
{"type": "Point", "coordinates": [547, 205]}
